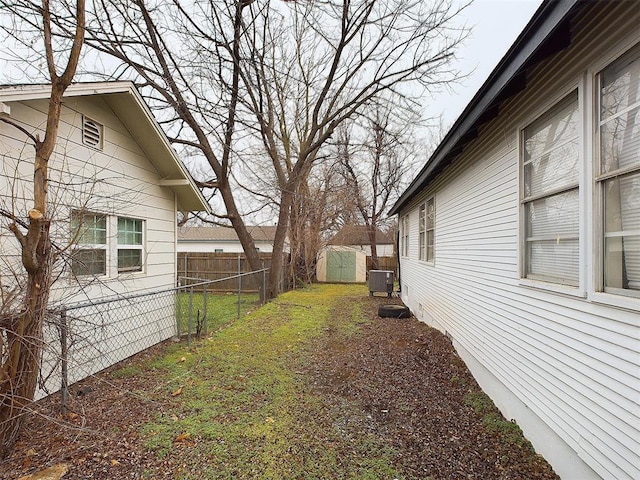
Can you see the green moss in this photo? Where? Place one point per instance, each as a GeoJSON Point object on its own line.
{"type": "Point", "coordinates": [495, 423]}
{"type": "Point", "coordinates": [127, 372]}
{"type": "Point", "coordinates": [247, 410]}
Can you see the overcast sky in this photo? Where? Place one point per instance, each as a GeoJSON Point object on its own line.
{"type": "Point", "coordinates": [495, 26]}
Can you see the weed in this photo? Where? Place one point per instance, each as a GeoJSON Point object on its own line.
{"type": "Point", "coordinates": [495, 423]}
{"type": "Point", "coordinates": [221, 309]}
{"type": "Point", "coordinates": [246, 409]}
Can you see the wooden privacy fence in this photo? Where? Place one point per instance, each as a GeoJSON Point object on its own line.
{"type": "Point", "coordinates": [385, 263]}
{"type": "Point", "coordinates": [216, 266]}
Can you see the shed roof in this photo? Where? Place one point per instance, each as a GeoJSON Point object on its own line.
{"type": "Point", "coordinates": [130, 108]}
{"type": "Point", "coordinates": [358, 235]}
{"type": "Point", "coordinates": [224, 234]}
{"type": "Point", "coordinates": [547, 32]}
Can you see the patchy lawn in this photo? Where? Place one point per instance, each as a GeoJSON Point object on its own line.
{"type": "Point", "coordinates": [311, 386]}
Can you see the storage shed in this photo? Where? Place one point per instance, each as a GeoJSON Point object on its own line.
{"type": "Point", "coordinates": [338, 264]}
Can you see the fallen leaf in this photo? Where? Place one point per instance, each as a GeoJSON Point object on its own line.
{"type": "Point", "coordinates": [183, 359]}
{"type": "Point", "coordinates": [182, 437]}
{"type": "Point", "coordinates": [114, 462]}
{"type": "Point", "coordinates": [177, 392]}
{"type": "Point", "coordinates": [270, 420]}
{"type": "Point", "coordinates": [52, 473]}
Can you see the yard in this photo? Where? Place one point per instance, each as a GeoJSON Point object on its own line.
{"type": "Point", "coordinates": [311, 386]}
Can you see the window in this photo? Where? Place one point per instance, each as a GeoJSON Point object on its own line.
{"type": "Point", "coordinates": [91, 133]}
{"type": "Point", "coordinates": [129, 245]}
{"type": "Point", "coordinates": [422, 233]}
{"type": "Point", "coordinates": [89, 256]}
{"type": "Point", "coordinates": [426, 235]}
{"type": "Point", "coordinates": [404, 226]}
{"type": "Point", "coordinates": [431, 224]}
{"type": "Point", "coordinates": [217, 250]}
{"type": "Point", "coordinates": [619, 174]}
{"type": "Point", "coordinates": [550, 164]}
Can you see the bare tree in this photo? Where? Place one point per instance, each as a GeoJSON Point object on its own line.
{"type": "Point", "coordinates": [22, 332]}
{"type": "Point", "coordinates": [314, 66]}
{"type": "Point", "coordinates": [190, 73]}
{"type": "Point", "coordinates": [373, 166]}
{"type": "Point", "coordinates": [222, 74]}
{"type": "Point", "coordinates": [316, 209]}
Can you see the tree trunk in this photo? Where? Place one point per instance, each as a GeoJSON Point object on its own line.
{"type": "Point", "coordinates": [248, 245]}
{"type": "Point", "coordinates": [277, 258]}
{"type": "Point", "coordinates": [24, 334]}
{"type": "Point", "coordinates": [371, 230]}
{"type": "Point", "coordinates": [19, 373]}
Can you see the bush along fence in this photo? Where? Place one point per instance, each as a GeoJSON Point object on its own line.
{"type": "Point", "coordinates": [85, 338]}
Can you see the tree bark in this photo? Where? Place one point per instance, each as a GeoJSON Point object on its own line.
{"type": "Point", "coordinates": [277, 259]}
{"type": "Point", "coordinates": [24, 336]}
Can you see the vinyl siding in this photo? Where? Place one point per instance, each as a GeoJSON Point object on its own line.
{"type": "Point", "coordinates": [569, 358]}
{"type": "Point", "coordinates": [117, 181]}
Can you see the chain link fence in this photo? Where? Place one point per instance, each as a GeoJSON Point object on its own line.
{"type": "Point", "coordinates": [85, 338]}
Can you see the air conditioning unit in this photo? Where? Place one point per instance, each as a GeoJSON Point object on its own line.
{"type": "Point", "coordinates": [381, 281]}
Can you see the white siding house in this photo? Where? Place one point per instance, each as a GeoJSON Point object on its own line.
{"type": "Point", "coordinates": [520, 237]}
{"type": "Point", "coordinates": [357, 237]}
{"type": "Point", "coordinates": [115, 186]}
{"type": "Point", "coordinates": [223, 239]}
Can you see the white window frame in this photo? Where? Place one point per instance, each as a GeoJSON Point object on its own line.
{"type": "Point", "coordinates": [572, 288]}
{"type": "Point", "coordinates": [122, 247]}
{"type": "Point", "coordinates": [611, 294]}
{"type": "Point", "coordinates": [430, 239]}
{"type": "Point", "coordinates": [422, 231]}
{"type": "Point", "coordinates": [78, 246]}
{"type": "Point", "coordinates": [404, 228]}
{"type": "Point", "coordinates": [426, 232]}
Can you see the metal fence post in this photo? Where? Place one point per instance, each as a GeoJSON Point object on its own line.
{"type": "Point", "coordinates": [264, 286]}
{"type": "Point", "coordinates": [190, 315]}
{"type": "Point", "coordinates": [239, 285]}
{"type": "Point", "coordinates": [64, 365]}
{"type": "Point", "coordinates": [179, 314]}
{"type": "Point", "coordinates": [204, 315]}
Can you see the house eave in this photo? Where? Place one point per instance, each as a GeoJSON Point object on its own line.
{"type": "Point", "coordinates": [140, 123]}
{"type": "Point", "coordinates": [546, 33]}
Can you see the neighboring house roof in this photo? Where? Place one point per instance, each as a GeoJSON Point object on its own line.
{"type": "Point", "coordinates": [130, 108]}
{"type": "Point", "coordinates": [548, 32]}
{"type": "Point", "coordinates": [358, 235]}
{"type": "Point", "coordinates": [225, 234]}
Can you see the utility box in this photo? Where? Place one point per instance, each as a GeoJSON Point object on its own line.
{"type": "Point", "coordinates": [381, 281]}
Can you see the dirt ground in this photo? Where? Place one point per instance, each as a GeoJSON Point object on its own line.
{"type": "Point", "coordinates": [411, 388]}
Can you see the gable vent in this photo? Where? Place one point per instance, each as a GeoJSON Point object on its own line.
{"type": "Point", "coordinates": [91, 133]}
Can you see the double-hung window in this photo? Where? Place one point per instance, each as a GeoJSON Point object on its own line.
{"type": "Point", "coordinates": [422, 232]}
{"type": "Point", "coordinates": [130, 243]}
{"type": "Point", "coordinates": [404, 228]}
{"type": "Point", "coordinates": [550, 200]}
{"type": "Point", "coordinates": [426, 235]}
{"type": "Point", "coordinates": [618, 176]}
{"type": "Point", "coordinates": [430, 223]}
{"type": "Point", "coordinates": [89, 255]}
